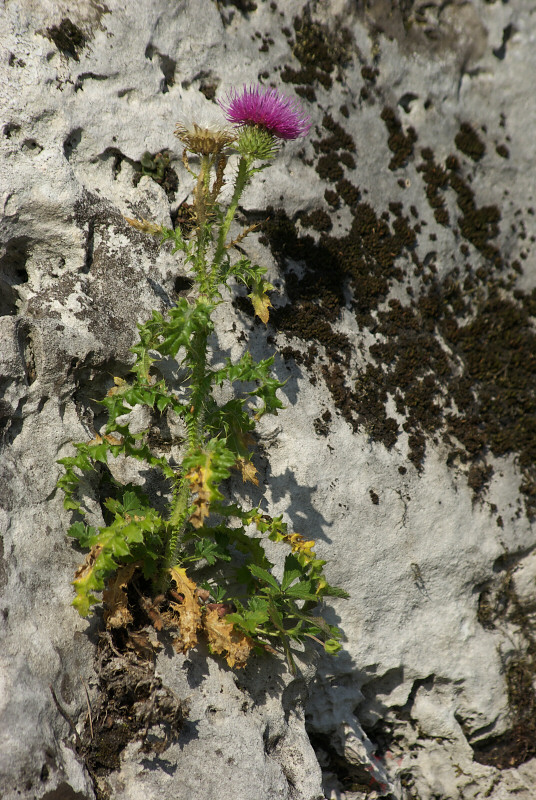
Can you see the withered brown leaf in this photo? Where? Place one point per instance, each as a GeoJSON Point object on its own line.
{"type": "Point", "coordinates": [116, 613]}
{"type": "Point", "coordinates": [198, 479]}
{"type": "Point", "coordinates": [224, 638]}
{"type": "Point", "coordinates": [189, 610]}
{"type": "Point", "coordinates": [249, 471]}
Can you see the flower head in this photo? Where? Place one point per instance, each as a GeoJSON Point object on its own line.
{"type": "Point", "coordinates": [205, 140]}
{"type": "Point", "coordinates": [265, 108]}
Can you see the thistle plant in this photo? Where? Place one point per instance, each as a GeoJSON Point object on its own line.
{"type": "Point", "coordinates": [205, 557]}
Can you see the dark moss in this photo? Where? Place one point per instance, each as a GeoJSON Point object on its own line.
{"type": "Point", "coordinates": [340, 139]}
{"type": "Point", "coordinates": [355, 405]}
{"type": "Point", "coordinates": [369, 399]}
{"type": "Point", "coordinates": [455, 369]}
{"type": "Point", "coordinates": [306, 75]}
{"type": "Point", "coordinates": [369, 73]}
{"type": "Point", "coordinates": [14, 61]}
{"type": "Point", "coordinates": [329, 163]}
{"type": "Point", "coordinates": [306, 321]}
{"type": "Point", "coordinates": [319, 220]}
{"type": "Point", "coordinates": [208, 90]}
{"type": "Point", "coordinates": [349, 193]}
{"type": "Point", "coordinates": [502, 151]}
{"type": "Point", "coordinates": [348, 160]}
{"type": "Point", "coordinates": [307, 92]}
{"type": "Point", "coordinates": [312, 45]}
{"type": "Point", "coordinates": [67, 37]}
{"type": "Point", "coordinates": [321, 424]}
{"type": "Point", "coordinates": [468, 141]}
{"type": "Point", "coordinates": [244, 6]}
{"type": "Point", "coordinates": [400, 143]}
{"type": "Point", "coordinates": [479, 477]}
{"type": "Point", "coordinates": [374, 497]}
{"type": "Point", "coordinates": [329, 169]}
{"type": "Point", "coordinates": [499, 352]}
{"type": "Point", "coordinates": [477, 225]}
{"type": "Point", "coordinates": [318, 51]}
{"type": "Point", "coordinates": [417, 448]}
{"type": "Point", "coordinates": [436, 179]}
{"type": "Point", "coordinates": [332, 198]}
{"type": "Point", "coordinates": [441, 215]}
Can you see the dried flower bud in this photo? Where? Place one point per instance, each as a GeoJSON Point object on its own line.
{"type": "Point", "coordinates": [204, 140]}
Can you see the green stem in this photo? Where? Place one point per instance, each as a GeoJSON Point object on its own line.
{"type": "Point", "coordinates": [181, 501]}
{"type": "Point", "coordinates": [199, 389]}
{"type": "Point", "coordinates": [201, 202]}
{"type": "Point", "coordinates": [177, 520]}
{"type": "Point", "coordinates": [242, 179]}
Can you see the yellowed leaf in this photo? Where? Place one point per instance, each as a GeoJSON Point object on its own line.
{"type": "Point", "coordinates": [121, 386]}
{"type": "Point", "coordinates": [261, 302]}
{"type": "Point", "coordinates": [300, 545]}
{"type": "Point", "coordinates": [112, 439]}
{"type": "Point", "coordinates": [107, 437]}
{"type": "Point", "coordinates": [189, 610]}
{"type": "Point", "coordinates": [249, 471]}
{"type": "Point", "coordinates": [116, 613]}
{"type": "Point", "coordinates": [144, 225]}
{"type": "Point", "coordinates": [86, 568]}
{"type": "Point", "coordinates": [198, 479]}
{"type": "Point", "coordinates": [224, 638]}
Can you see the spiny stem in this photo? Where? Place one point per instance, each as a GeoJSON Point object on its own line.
{"type": "Point", "coordinates": [177, 520]}
{"type": "Point", "coordinates": [199, 393]}
{"type": "Point", "coordinates": [218, 181]}
{"type": "Point", "coordinates": [242, 179]}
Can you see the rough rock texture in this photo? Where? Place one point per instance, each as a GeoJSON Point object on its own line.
{"type": "Point", "coordinates": [400, 237]}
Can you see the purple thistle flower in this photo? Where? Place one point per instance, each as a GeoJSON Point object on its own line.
{"type": "Point", "coordinates": [279, 115]}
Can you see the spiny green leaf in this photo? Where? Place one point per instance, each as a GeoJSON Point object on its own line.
{"type": "Point", "coordinates": [245, 272]}
{"type": "Point", "coordinates": [184, 321]}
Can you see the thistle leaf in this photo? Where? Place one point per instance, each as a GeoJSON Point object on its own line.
{"type": "Point", "coordinates": [249, 471]}
{"type": "Point", "coordinates": [189, 610]}
{"type": "Point", "coordinates": [144, 225]}
{"type": "Point", "coordinates": [261, 301]}
{"type": "Point", "coordinates": [207, 468]}
{"type": "Point", "coordinates": [116, 613]}
{"type": "Point", "coordinates": [225, 639]}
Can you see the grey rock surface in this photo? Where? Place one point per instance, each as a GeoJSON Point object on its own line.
{"type": "Point", "coordinates": [400, 239]}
